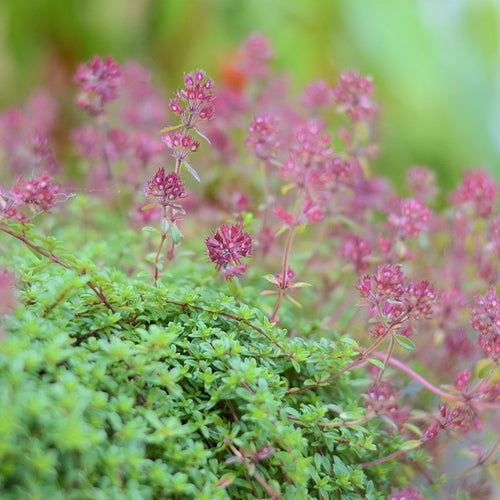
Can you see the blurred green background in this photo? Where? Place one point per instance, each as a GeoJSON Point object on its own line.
{"type": "Point", "coordinates": [435, 63]}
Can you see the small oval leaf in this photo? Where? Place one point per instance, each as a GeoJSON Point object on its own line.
{"type": "Point", "coordinates": [405, 342]}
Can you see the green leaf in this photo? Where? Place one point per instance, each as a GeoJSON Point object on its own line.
{"type": "Point", "coordinates": [149, 229]}
{"type": "Point", "coordinates": [410, 445]}
{"type": "Point", "coordinates": [377, 363]}
{"type": "Point", "coordinates": [169, 129]}
{"type": "Point", "coordinates": [405, 342]}
{"type": "Point", "coordinates": [300, 284]}
{"type": "Point", "coordinates": [176, 234]}
{"type": "Point", "coordinates": [282, 229]}
{"type": "Point", "coordinates": [484, 367]}
{"type": "Point", "coordinates": [191, 170]}
{"type": "Point", "coordinates": [148, 207]}
{"type": "Point", "coordinates": [35, 253]}
{"type": "Point", "coordinates": [287, 188]}
{"type": "Point", "coordinates": [202, 136]}
{"type": "Point", "coordinates": [271, 278]}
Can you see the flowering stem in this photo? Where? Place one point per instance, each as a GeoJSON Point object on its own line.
{"type": "Point", "coordinates": [284, 274]}
{"type": "Point", "coordinates": [157, 259]}
{"type": "Point", "coordinates": [171, 250]}
{"type": "Point", "coordinates": [54, 259]}
{"type": "Point", "coordinates": [362, 357]}
{"type": "Point", "coordinates": [390, 350]}
{"type": "Point", "coordinates": [445, 395]}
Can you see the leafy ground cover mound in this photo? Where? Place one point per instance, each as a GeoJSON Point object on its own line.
{"type": "Point", "coordinates": [181, 392]}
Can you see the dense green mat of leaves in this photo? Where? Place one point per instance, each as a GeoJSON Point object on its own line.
{"type": "Point", "coordinates": [182, 392]}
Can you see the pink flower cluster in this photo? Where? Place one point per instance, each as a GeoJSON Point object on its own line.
{"type": "Point", "coordinates": [311, 165]}
{"type": "Point", "coordinates": [479, 190]}
{"type": "Point", "coordinates": [485, 319]}
{"type": "Point", "coordinates": [254, 57]}
{"type": "Point", "coordinates": [198, 99]}
{"type": "Point", "coordinates": [358, 251]}
{"type": "Point", "coordinates": [181, 144]}
{"type": "Point", "coordinates": [317, 95]}
{"type": "Point", "coordinates": [406, 494]}
{"type": "Point", "coordinates": [392, 298]}
{"type": "Point", "coordinates": [263, 139]}
{"type": "Point", "coordinates": [38, 193]}
{"type": "Point", "coordinates": [412, 218]}
{"type": "Point", "coordinates": [352, 97]}
{"type": "Point", "coordinates": [99, 82]}
{"type": "Point", "coordinates": [166, 189]}
{"type": "Point", "coordinates": [227, 246]}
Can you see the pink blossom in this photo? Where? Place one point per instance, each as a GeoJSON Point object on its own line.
{"type": "Point", "coordinates": [194, 102]}
{"type": "Point", "coordinates": [485, 320]}
{"type": "Point", "coordinates": [406, 494]}
{"type": "Point", "coordinates": [227, 246]}
{"type": "Point", "coordinates": [462, 380]}
{"type": "Point", "coordinates": [166, 189]}
{"type": "Point", "coordinates": [357, 250]}
{"type": "Point", "coordinates": [39, 192]}
{"type": "Point", "coordinates": [479, 190]}
{"type": "Point", "coordinates": [422, 183]}
{"type": "Point", "coordinates": [317, 95]}
{"type": "Point", "coordinates": [99, 82]}
{"type": "Point", "coordinates": [312, 212]}
{"type": "Point", "coordinates": [181, 144]}
{"type": "Point", "coordinates": [352, 97]}
{"type": "Point", "coordinates": [412, 218]}
{"type": "Point", "coordinates": [263, 138]}
{"type": "Point", "coordinates": [254, 56]}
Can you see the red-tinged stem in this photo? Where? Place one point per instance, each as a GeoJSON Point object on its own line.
{"type": "Point", "coordinates": [480, 463]}
{"type": "Point", "coordinates": [362, 357]}
{"type": "Point", "coordinates": [385, 459]}
{"type": "Point", "coordinates": [54, 259]}
{"type": "Point", "coordinates": [435, 390]}
{"type": "Point", "coordinates": [267, 488]}
{"type": "Point", "coordinates": [178, 165]}
{"type": "Point", "coordinates": [284, 274]}
{"type": "Point", "coordinates": [171, 250]}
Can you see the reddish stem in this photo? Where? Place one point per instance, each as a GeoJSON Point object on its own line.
{"type": "Point", "coordinates": [54, 259]}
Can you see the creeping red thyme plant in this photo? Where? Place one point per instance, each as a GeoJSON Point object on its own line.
{"type": "Point", "coordinates": [317, 335]}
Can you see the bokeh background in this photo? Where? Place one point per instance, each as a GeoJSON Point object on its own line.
{"type": "Point", "coordinates": [435, 63]}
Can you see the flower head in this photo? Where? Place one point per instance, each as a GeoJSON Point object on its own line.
{"type": "Point", "coordinates": [406, 494]}
{"type": "Point", "coordinates": [227, 246]}
{"type": "Point", "coordinates": [40, 192]}
{"type": "Point", "coordinates": [263, 137]}
{"type": "Point", "coordinates": [99, 82]}
{"type": "Point", "coordinates": [194, 102]}
{"type": "Point", "coordinates": [317, 95]}
{"type": "Point", "coordinates": [181, 144]}
{"type": "Point", "coordinates": [486, 320]}
{"type": "Point", "coordinates": [479, 190]}
{"type": "Point", "coordinates": [166, 189]}
{"type": "Point", "coordinates": [358, 251]}
{"type": "Point", "coordinates": [255, 56]}
{"type": "Point", "coordinates": [352, 97]}
{"type": "Point", "coordinates": [412, 218]}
